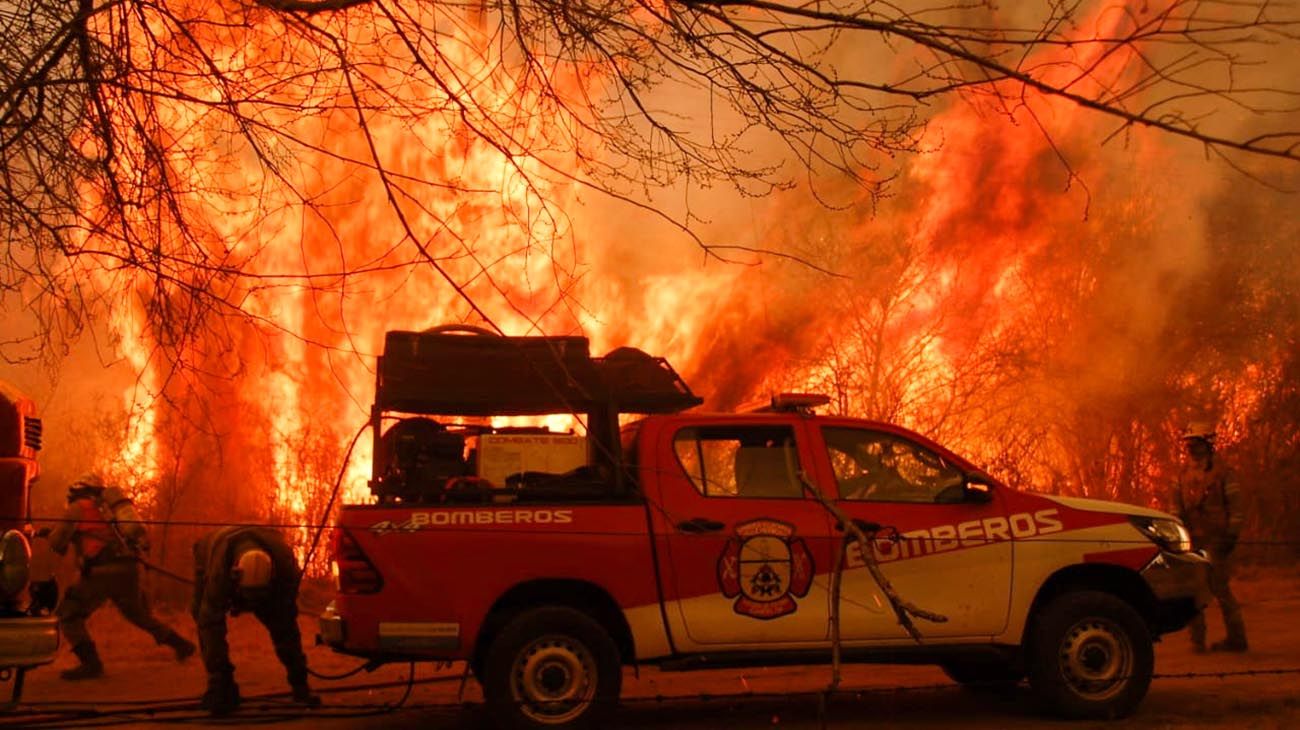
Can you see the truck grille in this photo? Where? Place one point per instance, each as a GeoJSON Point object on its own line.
{"type": "Point", "coordinates": [32, 432]}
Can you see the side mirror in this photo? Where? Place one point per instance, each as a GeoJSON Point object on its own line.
{"type": "Point", "coordinates": [977, 490]}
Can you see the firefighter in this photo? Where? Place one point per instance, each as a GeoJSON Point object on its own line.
{"type": "Point", "coordinates": [238, 569]}
{"type": "Point", "coordinates": [110, 571]}
{"type": "Point", "coordinates": [1208, 500]}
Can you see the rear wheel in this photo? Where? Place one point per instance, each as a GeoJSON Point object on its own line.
{"type": "Point", "coordinates": [552, 667]}
{"type": "Point", "coordinates": [1090, 656]}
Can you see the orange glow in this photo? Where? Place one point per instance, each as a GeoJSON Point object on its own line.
{"type": "Point", "coordinates": [332, 254]}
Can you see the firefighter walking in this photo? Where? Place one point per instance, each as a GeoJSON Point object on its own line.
{"type": "Point", "coordinates": [1208, 500]}
{"type": "Point", "coordinates": [108, 554]}
{"type": "Point", "coordinates": [246, 569]}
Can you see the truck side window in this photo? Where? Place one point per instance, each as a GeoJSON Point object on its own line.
{"type": "Point", "coordinates": [740, 461]}
{"type": "Point", "coordinates": [882, 467]}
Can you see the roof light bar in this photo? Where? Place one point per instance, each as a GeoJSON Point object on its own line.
{"type": "Point", "coordinates": [791, 403]}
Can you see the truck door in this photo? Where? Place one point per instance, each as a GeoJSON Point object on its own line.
{"type": "Point", "coordinates": [951, 553]}
{"type": "Point", "coordinates": [741, 542]}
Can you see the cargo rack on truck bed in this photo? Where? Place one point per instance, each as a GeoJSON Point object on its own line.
{"type": "Point", "coordinates": [441, 373]}
{"type": "Point", "coordinates": [465, 371]}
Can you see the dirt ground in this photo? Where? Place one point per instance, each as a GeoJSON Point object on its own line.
{"type": "Point", "coordinates": [919, 697]}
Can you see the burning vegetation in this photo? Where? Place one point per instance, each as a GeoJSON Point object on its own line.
{"type": "Point", "coordinates": [247, 195]}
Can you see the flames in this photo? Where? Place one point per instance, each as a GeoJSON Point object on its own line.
{"type": "Point", "coordinates": [335, 225]}
{"type": "Point", "coordinates": [328, 227]}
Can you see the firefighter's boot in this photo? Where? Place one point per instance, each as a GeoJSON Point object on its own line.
{"type": "Point", "coordinates": [90, 666]}
{"type": "Point", "coordinates": [222, 697]}
{"type": "Point", "coordinates": [183, 647]}
{"type": "Point", "coordinates": [1236, 626]}
{"type": "Point", "coordinates": [1235, 642]}
{"type": "Point", "coordinates": [303, 696]}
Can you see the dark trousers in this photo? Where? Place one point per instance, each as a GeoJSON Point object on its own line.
{"type": "Point", "coordinates": [117, 581]}
{"type": "Point", "coordinates": [1219, 577]}
{"type": "Point", "coordinates": [279, 614]}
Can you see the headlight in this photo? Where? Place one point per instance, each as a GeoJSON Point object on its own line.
{"type": "Point", "coordinates": [15, 564]}
{"type": "Point", "coordinates": [1168, 534]}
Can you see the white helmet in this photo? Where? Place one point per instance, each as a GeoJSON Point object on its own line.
{"type": "Point", "coordinates": [255, 569]}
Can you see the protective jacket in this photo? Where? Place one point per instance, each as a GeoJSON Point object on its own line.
{"type": "Point", "coordinates": [216, 594]}
{"type": "Point", "coordinates": [109, 573]}
{"type": "Point", "coordinates": [85, 528]}
{"type": "Point", "coordinates": [1209, 503]}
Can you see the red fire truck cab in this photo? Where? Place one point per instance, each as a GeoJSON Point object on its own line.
{"type": "Point", "coordinates": [29, 634]}
{"type": "Point", "coordinates": [687, 540]}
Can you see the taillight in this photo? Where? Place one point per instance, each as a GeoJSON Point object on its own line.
{"type": "Point", "coordinates": [353, 571]}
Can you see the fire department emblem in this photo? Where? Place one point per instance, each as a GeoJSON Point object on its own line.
{"type": "Point", "coordinates": [765, 567]}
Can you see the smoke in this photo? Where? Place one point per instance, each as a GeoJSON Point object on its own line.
{"type": "Point", "coordinates": [1046, 304]}
{"type": "Point", "coordinates": [1053, 306]}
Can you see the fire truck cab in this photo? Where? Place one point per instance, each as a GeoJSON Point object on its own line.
{"type": "Point", "coordinates": [29, 634]}
{"type": "Point", "coordinates": [689, 540]}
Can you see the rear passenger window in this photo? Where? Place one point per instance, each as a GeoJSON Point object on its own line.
{"type": "Point", "coordinates": [740, 461]}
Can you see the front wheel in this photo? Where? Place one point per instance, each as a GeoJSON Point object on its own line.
{"type": "Point", "coordinates": [1090, 656]}
{"type": "Point", "coordinates": [552, 667]}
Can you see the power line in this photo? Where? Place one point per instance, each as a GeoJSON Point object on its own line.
{"type": "Point", "coordinates": [568, 529]}
{"type": "Point", "coordinates": [185, 710]}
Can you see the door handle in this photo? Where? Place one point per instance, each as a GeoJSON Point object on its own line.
{"type": "Point", "coordinates": [700, 525]}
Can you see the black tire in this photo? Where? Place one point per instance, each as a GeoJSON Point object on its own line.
{"type": "Point", "coordinates": [552, 667]}
{"type": "Point", "coordinates": [984, 675]}
{"type": "Point", "coordinates": [1090, 656]}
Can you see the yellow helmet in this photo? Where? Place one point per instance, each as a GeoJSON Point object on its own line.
{"type": "Point", "coordinates": [255, 569]}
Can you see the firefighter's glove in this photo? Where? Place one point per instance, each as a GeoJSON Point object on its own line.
{"type": "Point", "coordinates": [303, 696]}
{"type": "Point", "coordinates": [1225, 546]}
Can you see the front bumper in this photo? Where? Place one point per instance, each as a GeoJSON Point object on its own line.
{"type": "Point", "coordinates": [1179, 583]}
{"type": "Point", "coordinates": [28, 641]}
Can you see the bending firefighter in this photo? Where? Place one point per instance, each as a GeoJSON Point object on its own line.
{"type": "Point", "coordinates": [238, 569]}
{"type": "Point", "coordinates": [1208, 500]}
{"type": "Point", "coordinates": [101, 523]}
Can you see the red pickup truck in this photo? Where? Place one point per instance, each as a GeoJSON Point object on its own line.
{"type": "Point", "coordinates": [689, 540]}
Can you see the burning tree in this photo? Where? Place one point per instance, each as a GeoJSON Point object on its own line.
{"type": "Point", "coordinates": [249, 193]}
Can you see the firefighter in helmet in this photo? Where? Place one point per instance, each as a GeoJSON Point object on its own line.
{"type": "Point", "coordinates": [108, 554]}
{"type": "Point", "coordinates": [247, 569]}
{"type": "Point", "coordinates": [1208, 499]}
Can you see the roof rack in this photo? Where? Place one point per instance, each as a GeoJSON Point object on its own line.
{"type": "Point", "coordinates": [466, 371]}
